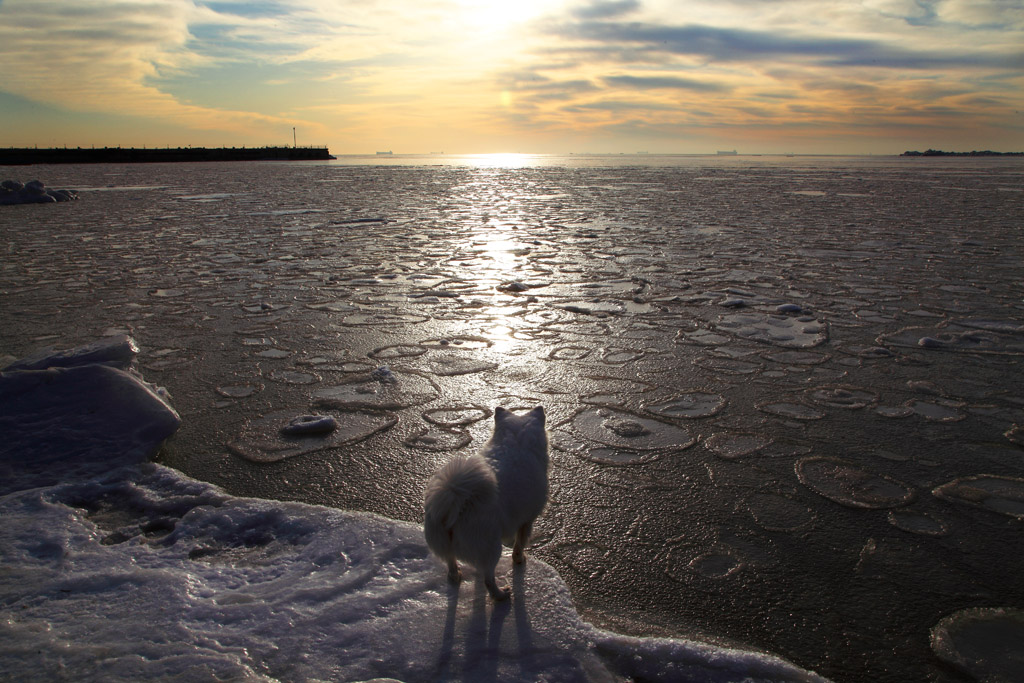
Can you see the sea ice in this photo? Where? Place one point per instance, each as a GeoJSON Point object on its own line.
{"type": "Point", "coordinates": [570, 352]}
{"type": "Point", "coordinates": [1004, 495]}
{"type": "Point", "coordinates": [774, 512]}
{"type": "Point", "coordinates": [620, 356]}
{"type": "Point", "coordinates": [729, 445]}
{"type": "Point", "coordinates": [291, 376]}
{"type": "Point", "coordinates": [620, 429]}
{"type": "Point", "coordinates": [50, 400]}
{"type": "Point", "coordinates": [915, 522]}
{"type": "Point", "coordinates": [378, 391]}
{"type": "Point", "coordinates": [397, 351]}
{"type": "Point", "coordinates": [118, 351]}
{"type": "Point", "coordinates": [847, 397]}
{"type": "Point", "coordinates": [937, 411]}
{"type": "Point", "coordinates": [456, 416]}
{"type": "Point", "coordinates": [252, 268]}
{"type": "Point", "coordinates": [435, 438]}
{"type": "Point", "coordinates": [716, 565]}
{"type": "Point", "coordinates": [792, 410]}
{"type": "Point", "coordinates": [32, 192]}
{"type": "Point", "coordinates": [310, 425]}
{"type": "Point", "coordinates": [787, 331]}
{"type": "Point", "coordinates": [690, 405]}
{"type": "Point", "coordinates": [1015, 434]}
{"type": "Point", "coordinates": [983, 643]}
{"type": "Point", "coordinates": [281, 435]}
{"type": "Point", "coordinates": [962, 336]}
{"type": "Point", "coordinates": [851, 486]}
{"type": "Point", "coordinates": [239, 390]}
{"type": "Point", "coordinates": [127, 570]}
{"type": "Point", "coordinates": [450, 365]}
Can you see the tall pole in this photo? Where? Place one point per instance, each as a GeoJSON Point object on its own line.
{"type": "Point", "coordinates": [293, 138]}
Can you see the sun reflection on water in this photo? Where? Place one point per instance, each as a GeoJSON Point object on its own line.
{"type": "Point", "coordinates": [505, 160]}
{"type": "Point", "coordinates": [502, 229]}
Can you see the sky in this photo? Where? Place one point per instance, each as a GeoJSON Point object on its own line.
{"type": "Point", "coordinates": [529, 76]}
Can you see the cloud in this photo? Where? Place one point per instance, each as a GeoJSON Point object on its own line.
{"type": "Point", "coordinates": [107, 55]}
{"type": "Point", "coordinates": [619, 106]}
{"type": "Point", "coordinates": [664, 83]}
{"type": "Point", "coordinates": [371, 72]}
{"type": "Point", "coordinates": [993, 14]}
{"type": "Point", "coordinates": [606, 10]}
{"type": "Point", "coordinates": [737, 45]}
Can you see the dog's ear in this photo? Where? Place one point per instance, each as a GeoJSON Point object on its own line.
{"type": "Point", "coordinates": [538, 413]}
{"type": "Point", "coordinates": [499, 414]}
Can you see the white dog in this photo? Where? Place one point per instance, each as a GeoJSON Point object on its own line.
{"type": "Point", "coordinates": [474, 503]}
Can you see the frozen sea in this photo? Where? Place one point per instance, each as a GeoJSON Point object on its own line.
{"type": "Point", "coordinates": [785, 399]}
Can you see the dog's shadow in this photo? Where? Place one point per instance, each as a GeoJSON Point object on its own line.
{"type": "Point", "coordinates": [479, 655]}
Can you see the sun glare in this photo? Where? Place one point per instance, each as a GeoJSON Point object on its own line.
{"type": "Point", "coordinates": [500, 15]}
{"type": "Point", "coordinates": [503, 160]}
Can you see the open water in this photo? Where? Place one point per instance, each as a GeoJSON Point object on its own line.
{"type": "Point", "coordinates": [784, 394]}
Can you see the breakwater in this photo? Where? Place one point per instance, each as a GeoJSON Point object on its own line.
{"type": "Point", "coordinates": [14, 156]}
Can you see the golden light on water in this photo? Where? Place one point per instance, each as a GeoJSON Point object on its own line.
{"type": "Point", "coordinates": [497, 248]}
{"type": "Point", "coordinates": [504, 159]}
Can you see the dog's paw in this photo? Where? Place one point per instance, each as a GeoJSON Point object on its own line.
{"type": "Point", "coordinates": [498, 594]}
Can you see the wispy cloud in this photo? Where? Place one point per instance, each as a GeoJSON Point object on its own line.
{"type": "Point", "coordinates": [605, 10]}
{"type": "Point", "coordinates": [738, 45]}
{"type": "Point", "coordinates": [664, 83]}
{"type": "Point", "coordinates": [107, 57]}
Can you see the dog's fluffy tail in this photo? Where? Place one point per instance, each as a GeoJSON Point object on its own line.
{"type": "Point", "coordinates": [462, 487]}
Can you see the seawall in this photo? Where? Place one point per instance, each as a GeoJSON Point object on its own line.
{"type": "Point", "coordinates": [13, 156]}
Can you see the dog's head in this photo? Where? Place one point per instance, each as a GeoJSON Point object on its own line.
{"type": "Point", "coordinates": [527, 429]}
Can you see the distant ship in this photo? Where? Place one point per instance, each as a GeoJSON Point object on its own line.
{"type": "Point", "coordinates": [382, 154]}
{"type": "Point", "coordinates": [726, 153]}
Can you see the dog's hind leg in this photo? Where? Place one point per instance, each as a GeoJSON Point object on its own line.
{"type": "Point", "coordinates": [492, 587]}
{"type": "Point", "coordinates": [454, 573]}
{"type": "Point", "coordinates": [522, 538]}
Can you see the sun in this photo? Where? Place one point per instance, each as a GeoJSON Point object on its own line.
{"type": "Point", "coordinates": [494, 16]}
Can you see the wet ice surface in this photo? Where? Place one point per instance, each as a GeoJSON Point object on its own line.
{"type": "Point", "coordinates": [785, 406]}
{"type": "Point", "coordinates": [116, 569]}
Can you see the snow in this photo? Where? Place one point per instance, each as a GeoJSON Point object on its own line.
{"type": "Point", "coordinates": [32, 192]}
{"type": "Point", "coordinates": [119, 569]}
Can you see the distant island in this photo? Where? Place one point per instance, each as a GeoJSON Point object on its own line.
{"type": "Point", "coordinates": [940, 153]}
{"type": "Point", "coordinates": [14, 156]}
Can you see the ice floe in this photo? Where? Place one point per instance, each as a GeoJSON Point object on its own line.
{"type": "Point", "coordinates": [280, 434]}
{"type": "Point", "coordinates": [799, 332]}
{"type": "Point", "coordinates": [849, 485]}
{"type": "Point", "coordinates": [963, 336]}
{"type": "Point", "coordinates": [688, 405]}
{"type": "Point", "coordinates": [32, 192]}
{"type": "Point", "coordinates": [774, 512]}
{"type": "Point", "coordinates": [915, 522]}
{"type": "Point", "coordinates": [382, 389]}
{"type": "Point", "coordinates": [983, 642]}
{"type": "Point", "coordinates": [1004, 495]}
{"type": "Point", "coordinates": [620, 429]}
{"type": "Point", "coordinates": [47, 403]}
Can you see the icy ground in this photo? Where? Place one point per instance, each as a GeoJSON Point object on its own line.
{"type": "Point", "coordinates": [128, 571]}
{"type": "Point", "coordinates": [784, 395]}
